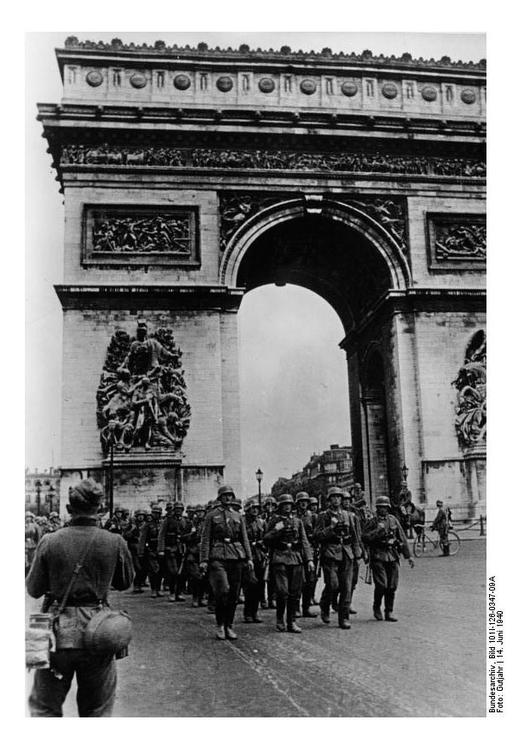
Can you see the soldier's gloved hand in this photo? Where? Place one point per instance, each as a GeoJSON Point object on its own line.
{"type": "Point", "coordinates": [279, 525]}
{"type": "Point", "coordinates": [311, 566]}
{"type": "Point", "coordinates": [250, 564]}
{"type": "Point", "coordinates": [333, 521]}
{"type": "Point", "coordinates": [203, 567]}
{"type": "Point", "coordinates": [411, 563]}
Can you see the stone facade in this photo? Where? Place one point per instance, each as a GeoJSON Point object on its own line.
{"type": "Point", "coordinates": [192, 175]}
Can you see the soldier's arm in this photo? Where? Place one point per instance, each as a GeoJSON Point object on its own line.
{"type": "Point", "coordinates": [357, 545]}
{"type": "Point", "coordinates": [272, 534]}
{"type": "Point", "coordinates": [38, 582]}
{"type": "Point", "coordinates": [204, 547]}
{"type": "Point", "coordinates": [404, 544]}
{"type": "Point", "coordinates": [245, 541]}
{"type": "Point", "coordinates": [307, 553]}
{"type": "Point", "coordinates": [124, 571]}
{"type": "Point", "coordinates": [372, 531]}
{"type": "Point", "coordinates": [161, 542]}
{"type": "Point", "coordinates": [323, 533]}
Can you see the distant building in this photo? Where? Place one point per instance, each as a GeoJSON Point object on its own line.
{"type": "Point", "coordinates": [42, 490]}
{"type": "Point", "coordinates": [333, 467]}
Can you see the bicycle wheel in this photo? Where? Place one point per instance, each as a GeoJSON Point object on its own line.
{"type": "Point", "coordinates": [424, 547]}
{"type": "Point", "coordinates": [453, 543]}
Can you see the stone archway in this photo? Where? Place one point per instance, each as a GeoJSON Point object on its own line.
{"type": "Point", "coordinates": [349, 259]}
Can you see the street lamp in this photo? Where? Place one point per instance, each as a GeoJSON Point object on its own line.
{"type": "Point", "coordinates": [259, 476]}
{"type": "Point", "coordinates": [112, 438]}
{"type": "Point", "coordinates": [50, 497]}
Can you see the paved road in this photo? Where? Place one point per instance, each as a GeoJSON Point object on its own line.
{"type": "Point", "coordinates": [430, 663]}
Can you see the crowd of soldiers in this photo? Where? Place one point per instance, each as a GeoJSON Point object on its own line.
{"type": "Point", "coordinates": [267, 555]}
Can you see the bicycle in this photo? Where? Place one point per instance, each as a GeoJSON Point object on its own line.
{"type": "Point", "coordinates": [430, 546]}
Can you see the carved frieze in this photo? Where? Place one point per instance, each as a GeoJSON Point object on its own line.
{"type": "Point", "coordinates": [141, 399]}
{"type": "Point", "coordinates": [236, 208]}
{"type": "Point", "coordinates": [140, 233]}
{"type": "Point", "coordinates": [471, 385]}
{"type": "Point", "coordinates": [457, 241]}
{"type": "Point", "coordinates": [271, 159]}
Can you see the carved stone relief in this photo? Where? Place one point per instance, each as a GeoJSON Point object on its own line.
{"type": "Point", "coordinates": [141, 399]}
{"type": "Point", "coordinates": [471, 384]}
{"type": "Point", "coordinates": [457, 241]}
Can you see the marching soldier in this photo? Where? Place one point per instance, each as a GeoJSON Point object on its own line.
{"type": "Point", "coordinates": [308, 519]}
{"type": "Point", "coordinates": [314, 510]}
{"type": "Point", "coordinates": [115, 523]}
{"type": "Point", "coordinates": [171, 548]}
{"type": "Point", "coordinates": [287, 539]}
{"type": "Point", "coordinates": [340, 546]}
{"type": "Point", "coordinates": [223, 552]}
{"type": "Point", "coordinates": [269, 601]}
{"type": "Point", "coordinates": [132, 537]}
{"type": "Point", "coordinates": [103, 561]}
{"type": "Point", "coordinates": [386, 540]}
{"type": "Point", "coordinates": [196, 579]}
{"type": "Point", "coordinates": [253, 586]}
{"type": "Point", "coordinates": [148, 549]}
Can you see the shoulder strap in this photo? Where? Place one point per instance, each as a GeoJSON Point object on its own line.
{"type": "Point", "coordinates": [77, 568]}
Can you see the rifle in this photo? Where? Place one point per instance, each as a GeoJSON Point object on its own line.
{"type": "Point", "coordinates": [266, 570]}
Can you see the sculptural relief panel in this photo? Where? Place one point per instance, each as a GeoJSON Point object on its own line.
{"type": "Point", "coordinates": [457, 241]}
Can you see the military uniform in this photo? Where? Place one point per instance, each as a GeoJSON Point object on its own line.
{"type": "Point", "coordinates": [107, 563]}
{"type": "Point", "coordinates": [132, 537]}
{"type": "Point", "coordinates": [254, 581]}
{"type": "Point", "coordinates": [386, 540]}
{"type": "Point", "coordinates": [171, 547]}
{"type": "Point", "coordinates": [224, 548]}
{"type": "Point", "coordinates": [148, 550]}
{"type": "Point", "coordinates": [196, 579]}
{"type": "Point", "coordinates": [308, 520]}
{"type": "Point", "coordinates": [338, 534]}
{"type": "Point", "coordinates": [289, 550]}
{"type": "Point", "coordinates": [441, 525]}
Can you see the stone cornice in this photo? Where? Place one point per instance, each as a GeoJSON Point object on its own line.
{"type": "Point", "coordinates": [411, 300]}
{"type": "Point", "coordinates": [285, 55]}
{"type": "Point", "coordinates": [108, 297]}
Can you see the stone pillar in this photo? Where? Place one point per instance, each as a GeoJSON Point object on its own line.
{"type": "Point", "coordinates": [230, 399]}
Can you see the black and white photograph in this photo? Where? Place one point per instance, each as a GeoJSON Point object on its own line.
{"type": "Point", "coordinates": [256, 376]}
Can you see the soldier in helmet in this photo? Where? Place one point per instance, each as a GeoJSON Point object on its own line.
{"type": "Point", "coordinates": [340, 546]}
{"type": "Point", "coordinates": [196, 579]}
{"type": "Point", "coordinates": [314, 510]}
{"type": "Point", "coordinates": [148, 546]}
{"type": "Point", "coordinates": [308, 519]}
{"type": "Point", "coordinates": [132, 537]}
{"type": "Point", "coordinates": [254, 581]}
{"type": "Point", "coordinates": [386, 540]}
{"type": "Point", "coordinates": [115, 523]}
{"type": "Point", "coordinates": [55, 520]}
{"type": "Point", "coordinates": [171, 548]}
{"type": "Point", "coordinates": [290, 551]}
{"type": "Point", "coordinates": [223, 552]}
{"type": "Point", "coordinates": [105, 561]}
{"type": "Point", "coordinates": [269, 601]}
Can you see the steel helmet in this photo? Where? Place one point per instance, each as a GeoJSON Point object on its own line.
{"type": "Point", "coordinates": [109, 631]}
{"type": "Point", "coordinates": [226, 490]}
{"type": "Point", "coordinates": [286, 498]}
{"type": "Point", "coordinates": [334, 491]}
{"type": "Point", "coordinates": [383, 500]}
{"type": "Point", "coordinates": [302, 496]}
{"type": "Point", "coordinates": [236, 503]}
{"type": "Point", "coordinates": [252, 503]}
{"type": "Point", "coordinates": [314, 501]}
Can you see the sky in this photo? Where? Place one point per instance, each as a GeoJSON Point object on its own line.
{"type": "Point", "coordinates": [293, 375]}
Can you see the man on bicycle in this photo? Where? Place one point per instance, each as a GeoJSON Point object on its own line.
{"type": "Point", "coordinates": [441, 524]}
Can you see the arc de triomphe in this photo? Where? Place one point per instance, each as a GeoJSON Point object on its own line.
{"type": "Point", "coordinates": [192, 175]}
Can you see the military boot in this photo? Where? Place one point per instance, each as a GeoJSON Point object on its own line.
{"type": "Point", "coordinates": [281, 626]}
{"type": "Point", "coordinates": [293, 627]}
{"type": "Point", "coordinates": [389, 604]}
{"type": "Point", "coordinates": [325, 615]}
{"type": "Point", "coordinates": [220, 633]}
{"type": "Point", "coordinates": [229, 632]}
{"type": "Point", "coordinates": [342, 619]}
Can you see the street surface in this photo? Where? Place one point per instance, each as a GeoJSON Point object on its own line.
{"type": "Point", "coordinates": [430, 663]}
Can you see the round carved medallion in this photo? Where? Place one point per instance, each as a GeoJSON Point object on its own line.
{"type": "Point", "coordinates": [308, 86]}
{"type": "Point", "coordinates": [349, 88]}
{"type": "Point", "coordinates": [182, 82]}
{"type": "Point", "coordinates": [224, 83]}
{"type": "Point", "coordinates": [266, 85]}
{"type": "Point", "coordinates": [138, 80]}
{"type": "Point", "coordinates": [468, 96]}
{"type": "Point", "coordinates": [94, 78]}
{"type": "Point", "coordinates": [389, 90]}
{"type": "Point", "coordinates": [429, 93]}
